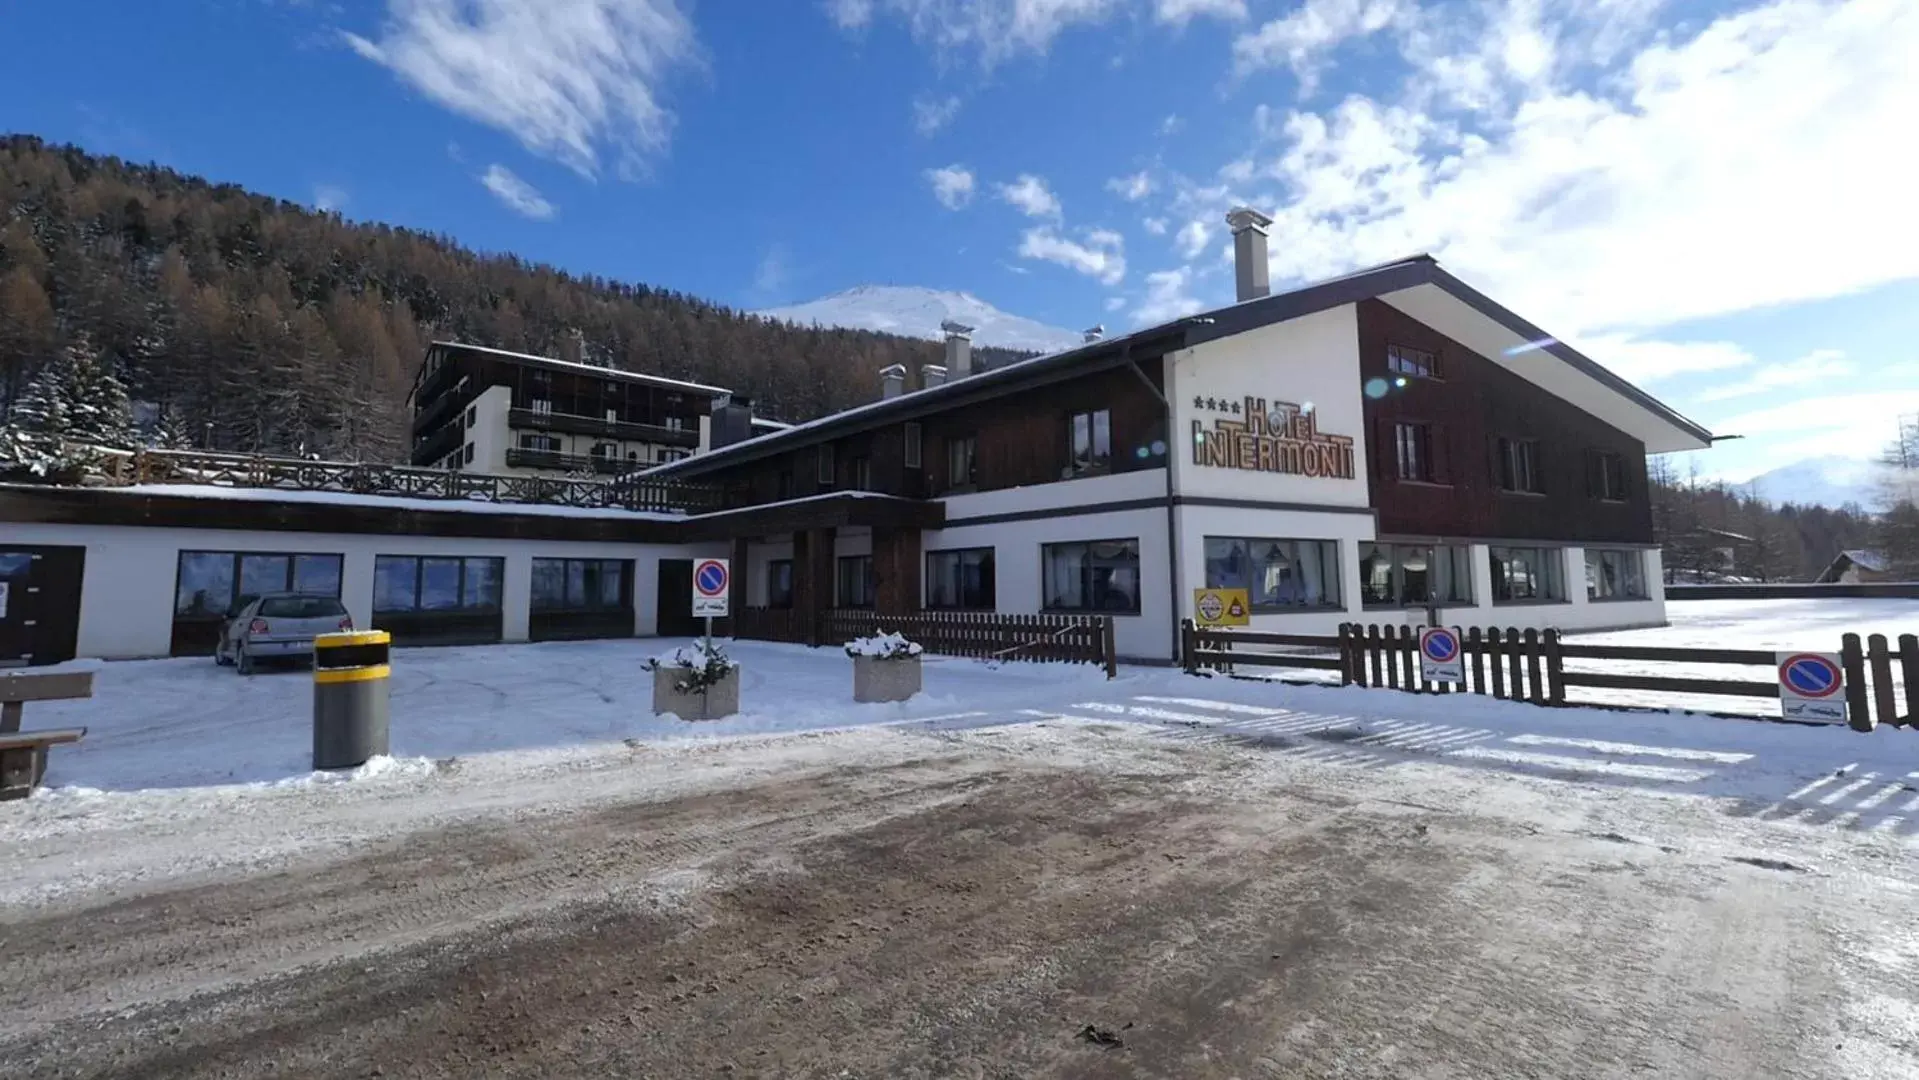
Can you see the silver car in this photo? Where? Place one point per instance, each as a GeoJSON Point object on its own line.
{"type": "Point", "coordinates": [277, 626]}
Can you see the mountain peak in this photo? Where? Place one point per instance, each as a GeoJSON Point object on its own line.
{"type": "Point", "coordinates": [917, 311]}
{"type": "Point", "coordinates": [1832, 480]}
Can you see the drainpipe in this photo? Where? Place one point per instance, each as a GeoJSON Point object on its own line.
{"type": "Point", "coordinates": [1172, 526]}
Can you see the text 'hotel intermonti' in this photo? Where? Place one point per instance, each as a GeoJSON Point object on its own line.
{"type": "Point", "coordinates": [1279, 438]}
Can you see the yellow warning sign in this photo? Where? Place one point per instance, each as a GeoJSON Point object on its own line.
{"type": "Point", "coordinates": [1221, 607]}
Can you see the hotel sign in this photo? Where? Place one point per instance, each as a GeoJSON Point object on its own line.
{"type": "Point", "coordinates": [1261, 436]}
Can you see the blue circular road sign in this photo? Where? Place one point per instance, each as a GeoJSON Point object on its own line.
{"type": "Point", "coordinates": [711, 579]}
{"type": "Point", "coordinates": [1810, 675]}
{"type": "Point", "coordinates": [1439, 645]}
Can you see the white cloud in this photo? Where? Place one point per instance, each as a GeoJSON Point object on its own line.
{"type": "Point", "coordinates": [996, 30]}
{"type": "Point", "coordinates": [1155, 225]}
{"type": "Point", "coordinates": [1171, 124]}
{"type": "Point", "coordinates": [1301, 39]}
{"type": "Point", "coordinates": [952, 185]}
{"type": "Point", "coordinates": [1180, 12]}
{"type": "Point", "coordinates": [771, 275]}
{"type": "Point", "coordinates": [328, 198]}
{"type": "Point", "coordinates": [1131, 188]}
{"type": "Point", "coordinates": [1114, 303]}
{"type": "Point", "coordinates": [1031, 196]}
{"type": "Point", "coordinates": [1814, 367]}
{"type": "Point", "coordinates": [568, 80]}
{"type": "Point", "coordinates": [1168, 297]}
{"type": "Point", "coordinates": [1859, 423]}
{"type": "Point", "coordinates": [1752, 164]}
{"type": "Point", "coordinates": [929, 116]}
{"type": "Point", "coordinates": [1191, 239]}
{"type": "Point", "coordinates": [519, 196]}
{"type": "Point", "coordinates": [1099, 257]}
{"type": "Point", "coordinates": [1644, 360]}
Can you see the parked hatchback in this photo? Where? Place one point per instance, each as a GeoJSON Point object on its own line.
{"type": "Point", "coordinates": [277, 626]}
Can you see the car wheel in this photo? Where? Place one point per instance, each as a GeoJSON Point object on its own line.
{"type": "Point", "coordinates": [220, 656]}
{"type": "Point", "coordinates": [244, 663]}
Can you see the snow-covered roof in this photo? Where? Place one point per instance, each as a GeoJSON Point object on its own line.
{"type": "Point", "coordinates": [401, 502]}
{"type": "Point", "coordinates": [1865, 559]}
{"type": "Point", "coordinates": [594, 369]}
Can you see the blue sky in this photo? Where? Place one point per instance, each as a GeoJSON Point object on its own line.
{"type": "Point", "coordinates": [1714, 199]}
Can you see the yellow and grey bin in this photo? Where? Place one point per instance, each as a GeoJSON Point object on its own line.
{"type": "Point", "coordinates": [349, 697]}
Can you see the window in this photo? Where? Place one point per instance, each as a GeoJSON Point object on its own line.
{"type": "Point", "coordinates": [301, 607]}
{"type": "Point", "coordinates": [1413, 447]}
{"type": "Point", "coordinates": [580, 584]}
{"type": "Point", "coordinates": [1102, 575]}
{"type": "Point", "coordinates": [862, 469]}
{"type": "Point", "coordinates": [1416, 362]}
{"type": "Point", "coordinates": [632, 455]}
{"type": "Point", "coordinates": [1518, 463]}
{"type": "Point", "coordinates": [1276, 574]}
{"type": "Point", "coordinates": [855, 582]}
{"type": "Point", "coordinates": [779, 583]}
{"type": "Point", "coordinates": [211, 583]}
{"type": "Point", "coordinates": [783, 485]}
{"type": "Point", "coordinates": [1615, 574]}
{"type": "Point", "coordinates": [439, 584]}
{"type": "Point", "coordinates": [825, 474]}
{"type": "Point", "coordinates": [1527, 573]}
{"type": "Point", "coordinates": [671, 453]}
{"type": "Point", "coordinates": [962, 461]}
{"type": "Point", "coordinates": [912, 448]}
{"type": "Point", "coordinates": [961, 580]}
{"type": "Point", "coordinates": [1092, 440]}
{"type": "Point", "coordinates": [676, 423]}
{"type": "Point", "coordinates": [606, 450]}
{"type": "Point", "coordinates": [548, 443]}
{"type": "Point", "coordinates": [472, 415]}
{"type": "Point", "coordinates": [542, 406]}
{"type": "Point", "coordinates": [1609, 477]}
{"type": "Point", "coordinates": [1414, 575]}
{"type": "Point", "coordinates": [467, 455]}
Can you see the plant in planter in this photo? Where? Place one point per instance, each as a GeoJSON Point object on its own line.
{"type": "Point", "coordinates": [886, 667]}
{"type": "Point", "coordinates": [696, 682]}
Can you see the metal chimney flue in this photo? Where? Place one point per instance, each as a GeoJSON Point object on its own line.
{"type": "Point", "coordinates": [1094, 333]}
{"type": "Point", "coordinates": [1249, 251]}
{"type": "Point", "coordinates": [892, 381]}
{"type": "Point", "coordinates": [932, 375]}
{"type": "Point", "coordinates": [959, 349]}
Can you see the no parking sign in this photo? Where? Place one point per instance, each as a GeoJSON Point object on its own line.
{"type": "Point", "coordinates": [1812, 686]}
{"type": "Point", "coordinates": [712, 582]}
{"type": "Point", "coordinates": [1440, 657]}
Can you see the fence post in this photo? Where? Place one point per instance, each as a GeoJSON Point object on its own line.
{"type": "Point", "coordinates": [1858, 707]}
{"type": "Point", "coordinates": [1188, 647]}
{"type": "Point", "coordinates": [1537, 694]}
{"type": "Point", "coordinates": [1555, 669]}
{"type": "Point", "coordinates": [1476, 648]}
{"type": "Point", "coordinates": [1407, 645]}
{"type": "Point", "coordinates": [1496, 660]}
{"type": "Point", "coordinates": [1515, 655]}
{"type": "Point", "coordinates": [1909, 667]}
{"type": "Point", "coordinates": [1350, 671]}
{"type": "Point", "coordinates": [1109, 648]}
{"type": "Point", "coordinates": [1879, 659]}
{"type": "Point", "coordinates": [1372, 655]}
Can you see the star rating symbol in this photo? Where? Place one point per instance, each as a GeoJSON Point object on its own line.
{"type": "Point", "coordinates": [1235, 408]}
{"type": "Point", "coordinates": [1212, 404]}
{"type": "Point", "coordinates": [1198, 402]}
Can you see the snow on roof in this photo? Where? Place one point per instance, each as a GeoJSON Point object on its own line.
{"type": "Point", "coordinates": [609, 372]}
{"type": "Point", "coordinates": [1868, 560]}
{"type": "Point", "coordinates": [349, 498]}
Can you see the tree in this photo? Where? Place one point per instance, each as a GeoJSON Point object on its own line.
{"type": "Point", "coordinates": [35, 435]}
{"type": "Point", "coordinates": [98, 412]}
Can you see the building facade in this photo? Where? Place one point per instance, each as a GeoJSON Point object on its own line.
{"type": "Point", "coordinates": [1390, 446]}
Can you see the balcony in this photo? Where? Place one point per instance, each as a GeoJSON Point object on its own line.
{"type": "Point", "coordinates": [555, 461]}
{"type": "Point", "coordinates": [598, 426]}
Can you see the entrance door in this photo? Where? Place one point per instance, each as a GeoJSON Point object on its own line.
{"type": "Point", "coordinates": [675, 599]}
{"type": "Point", "coordinates": [39, 604]}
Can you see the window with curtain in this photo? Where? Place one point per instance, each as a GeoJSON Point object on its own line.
{"type": "Point", "coordinates": [1414, 575]}
{"type": "Point", "coordinates": [1527, 573]}
{"type": "Point", "coordinates": [580, 584]}
{"type": "Point", "coordinates": [1408, 361]}
{"type": "Point", "coordinates": [1091, 434]}
{"type": "Point", "coordinates": [779, 583]}
{"type": "Point", "coordinates": [1615, 574]}
{"type": "Point", "coordinates": [961, 580]}
{"type": "Point", "coordinates": [1413, 451]}
{"type": "Point", "coordinates": [439, 584]}
{"type": "Point", "coordinates": [1609, 476]}
{"type": "Point", "coordinates": [1100, 575]}
{"type": "Point", "coordinates": [1518, 466]}
{"type": "Point", "coordinates": [854, 587]}
{"type": "Point", "coordinates": [1278, 575]}
{"type": "Point", "coordinates": [962, 461]}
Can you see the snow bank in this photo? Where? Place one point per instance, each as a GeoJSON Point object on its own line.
{"type": "Point", "coordinates": [890, 646]}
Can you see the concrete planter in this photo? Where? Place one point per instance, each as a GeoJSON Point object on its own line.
{"type": "Point", "coordinates": [716, 702]}
{"type": "Point", "coordinates": [885, 680]}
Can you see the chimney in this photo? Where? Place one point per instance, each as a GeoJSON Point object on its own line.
{"type": "Point", "coordinates": [1094, 333]}
{"type": "Point", "coordinates": [893, 381]}
{"type": "Point", "coordinates": [932, 375]}
{"type": "Point", "coordinates": [959, 349]}
{"type": "Point", "coordinates": [1249, 251]}
{"type": "Point", "coordinates": [732, 420]}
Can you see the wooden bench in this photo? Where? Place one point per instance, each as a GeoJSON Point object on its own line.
{"type": "Point", "coordinates": [23, 755]}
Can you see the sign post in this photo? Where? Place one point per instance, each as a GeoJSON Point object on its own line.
{"type": "Point", "coordinates": [712, 583]}
{"type": "Point", "coordinates": [1222, 607]}
{"type": "Point", "coordinates": [1440, 658]}
{"type": "Point", "coordinates": [1812, 687]}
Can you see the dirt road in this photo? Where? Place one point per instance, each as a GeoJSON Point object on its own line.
{"type": "Point", "coordinates": [1073, 901]}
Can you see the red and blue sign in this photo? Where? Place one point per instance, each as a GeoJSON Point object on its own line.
{"type": "Point", "coordinates": [712, 579]}
{"type": "Point", "coordinates": [1811, 687]}
{"type": "Point", "coordinates": [1439, 659]}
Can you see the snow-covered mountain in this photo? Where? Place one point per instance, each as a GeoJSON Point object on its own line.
{"type": "Point", "coordinates": [912, 311]}
{"type": "Point", "coordinates": [1823, 481]}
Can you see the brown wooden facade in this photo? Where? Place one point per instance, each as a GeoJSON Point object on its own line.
{"type": "Point", "coordinates": [1468, 405]}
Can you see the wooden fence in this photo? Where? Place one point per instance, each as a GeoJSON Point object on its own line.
{"type": "Point", "coordinates": [1530, 665]}
{"type": "Point", "coordinates": [1072, 639]}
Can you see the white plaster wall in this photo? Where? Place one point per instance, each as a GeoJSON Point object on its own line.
{"type": "Point", "coordinates": [488, 432]}
{"type": "Point", "coordinates": [127, 591]}
{"type": "Point", "coordinates": [1089, 491]}
{"type": "Point", "coordinates": [1314, 358]}
{"type": "Point", "coordinates": [1018, 578]}
{"type": "Point", "coordinates": [1196, 523]}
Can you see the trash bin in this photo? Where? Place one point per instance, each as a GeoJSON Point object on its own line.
{"type": "Point", "coordinates": [350, 697]}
